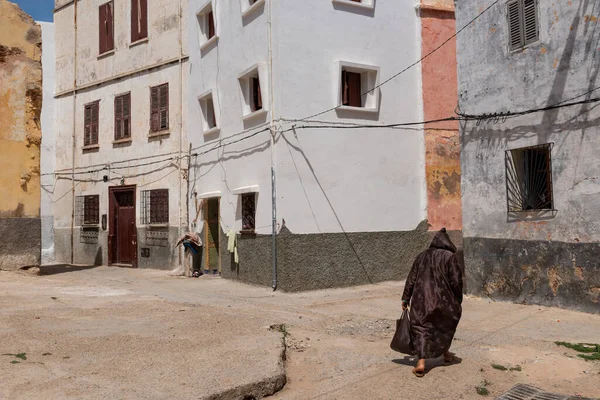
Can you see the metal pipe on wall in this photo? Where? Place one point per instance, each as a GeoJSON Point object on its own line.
{"type": "Point", "coordinates": [273, 132]}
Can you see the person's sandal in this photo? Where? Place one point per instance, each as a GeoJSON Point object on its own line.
{"type": "Point", "coordinates": [418, 373]}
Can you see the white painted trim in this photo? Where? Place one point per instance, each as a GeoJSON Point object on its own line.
{"type": "Point", "coordinates": [250, 70]}
{"type": "Point", "coordinates": [209, 195]}
{"type": "Point", "coordinates": [254, 114]}
{"type": "Point", "coordinates": [252, 8]}
{"type": "Point", "coordinates": [245, 189]}
{"type": "Point", "coordinates": [358, 109]}
{"type": "Point", "coordinates": [212, 131]}
{"type": "Point", "coordinates": [209, 42]}
{"type": "Point", "coordinates": [369, 6]}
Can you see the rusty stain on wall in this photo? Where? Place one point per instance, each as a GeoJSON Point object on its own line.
{"type": "Point", "coordinates": [554, 280]}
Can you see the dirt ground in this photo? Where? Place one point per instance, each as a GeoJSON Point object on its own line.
{"type": "Point", "coordinates": [105, 333]}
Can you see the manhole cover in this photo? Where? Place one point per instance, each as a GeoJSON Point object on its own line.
{"type": "Point", "coordinates": [528, 392]}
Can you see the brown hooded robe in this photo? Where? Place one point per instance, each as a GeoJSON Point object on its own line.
{"type": "Point", "coordinates": [434, 289]}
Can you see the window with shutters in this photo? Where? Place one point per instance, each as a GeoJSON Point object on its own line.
{"type": "Point", "coordinates": [523, 24]}
{"type": "Point", "coordinates": [206, 26]}
{"type": "Point", "coordinates": [209, 117]}
{"type": "Point", "coordinates": [253, 92]}
{"type": "Point", "coordinates": [123, 117]}
{"type": "Point", "coordinates": [106, 27]}
{"type": "Point", "coordinates": [357, 88]}
{"type": "Point", "coordinates": [248, 212]}
{"type": "Point", "coordinates": [529, 178]}
{"type": "Point", "coordinates": [139, 20]}
{"type": "Point", "coordinates": [87, 210]}
{"type": "Point", "coordinates": [90, 116]}
{"type": "Point", "coordinates": [154, 207]}
{"type": "Point", "coordinates": [159, 108]}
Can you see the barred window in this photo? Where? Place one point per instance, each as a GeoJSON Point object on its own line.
{"type": "Point", "coordinates": [155, 206]}
{"type": "Point", "coordinates": [529, 178]}
{"type": "Point", "coordinates": [87, 210]}
{"type": "Point", "coordinates": [248, 212]}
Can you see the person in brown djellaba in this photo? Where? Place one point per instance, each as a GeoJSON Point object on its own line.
{"type": "Point", "coordinates": [434, 291]}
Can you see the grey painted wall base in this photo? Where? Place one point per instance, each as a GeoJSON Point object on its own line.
{"type": "Point", "coordinates": [21, 243]}
{"type": "Point", "coordinates": [321, 261]}
{"type": "Point", "coordinates": [535, 272]}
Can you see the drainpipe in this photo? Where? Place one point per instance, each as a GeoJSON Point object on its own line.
{"type": "Point", "coordinates": [73, 133]}
{"type": "Point", "coordinates": [272, 141]}
{"type": "Point", "coordinates": [180, 251]}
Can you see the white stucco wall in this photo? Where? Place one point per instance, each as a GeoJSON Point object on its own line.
{"type": "Point", "coordinates": [47, 160]}
{"type": "Point", "coordinates": [562, 65]}
{"type": "Point", "coordinates": [327, 180]}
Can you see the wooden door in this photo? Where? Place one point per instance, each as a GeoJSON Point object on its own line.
{"type": "Point", "coordinates": [122, 239]}
{"type": "Point", "coordinates": [211, 236]}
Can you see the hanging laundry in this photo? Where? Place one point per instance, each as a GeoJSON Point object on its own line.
{"type": "Point", "coordinates": [232, 244]}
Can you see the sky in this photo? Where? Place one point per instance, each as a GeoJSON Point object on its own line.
{"type": "Point", "coordinates": [40, 10]}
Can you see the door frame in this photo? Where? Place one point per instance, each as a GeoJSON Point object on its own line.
{"type": "Point", "coordinates": [205, 214]}
{"type": "Point", "coordinates": [112, 203]}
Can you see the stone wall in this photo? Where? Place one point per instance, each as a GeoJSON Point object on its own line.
{"type": "Point", "coordinates": [20, 137]}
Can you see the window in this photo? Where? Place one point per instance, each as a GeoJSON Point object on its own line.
{"type": "Point", "coordinates": [123, 117]}
{"type": "Point", "coordinates": [209, 119]}
{"type": "Point", "coordinates": [522, 23]}
{"type": "Point", "coordinates": [155, 206]}
{"type": "Point", "coordinates": [87, 210]}
{"type": "Point", "coordinates": [252, 90]}
{"type": "Point", "coordinates": [206, 25]}
{"type": "Point", "coordinates": [369, 4]}
{"type": "Point", "coordinates": [139, 20]}
{"type": "Point", "coordinates": [249, 6]}
{"type": "Point", "coordinates": [248, 212]}
{"type": "Point", "coordinates": [529, 178]}
{"type": "Point", "coordinates": [159, 108]}
{"type": "Point", "coordinates": [356, 83]}
{"type": "Point", "coordinates": [90, 136]}
{"type": "Point", "coordinates": [106, 27]}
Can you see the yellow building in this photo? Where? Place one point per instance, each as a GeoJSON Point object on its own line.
{"type": "Point", "coordinates": [20, 137]}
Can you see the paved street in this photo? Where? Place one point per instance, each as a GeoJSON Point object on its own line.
{"type": "Point", "coordinates": [104, 333]}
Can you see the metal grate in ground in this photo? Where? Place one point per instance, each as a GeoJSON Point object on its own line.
{"type": "Point", "coordinates": [528, 392]}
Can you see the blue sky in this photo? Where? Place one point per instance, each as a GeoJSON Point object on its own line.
{"type": "Point", "coordinates": [40, 10]}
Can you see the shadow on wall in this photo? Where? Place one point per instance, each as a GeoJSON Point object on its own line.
{"type": "Point", "coordinates": [491, 140]}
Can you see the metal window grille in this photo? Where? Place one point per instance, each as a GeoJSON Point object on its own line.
{"type": "Point", "coordinates": [523, 24]}
{"type": "Point", "coordinates": [87, 210]}
{"type": "Point", "coordinates": [155, 206]}
{"type": "Point", "coordinates": [248, 211]}
{"type": "Point", "coordinates": [529, 178]}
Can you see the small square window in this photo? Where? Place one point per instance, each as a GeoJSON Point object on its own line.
{"type": "Point", "coordinates": [253, 92]}
{"type": "Point", "coordinates": [249, 6]}
{"type": "Point", "coordinates": [155, 206]}
{"type": "Point", "coordinates": [357, 88]}
{"type": "Point", "coordinates": [523, 24]}
{"type": "Point", "coordinates": [529, 179]}
{"type": "Point", "coordinates": [209, 117]}
{"type": "Point", "coordinates": [206, 26]}
{"type": "Point", "coordinates": [248, 212]}
{"type": "Point", "coordinates": [87, 210]}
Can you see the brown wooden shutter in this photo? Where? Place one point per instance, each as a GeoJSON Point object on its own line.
{"type": "Point", "coordinates": [211, 25]}
{"type": "Point", "coordinates": [256, 95]}
{"type": "Point", "coordinates": [102, 28]}
{"type": "Point", "coordinates": [159, 206]}
{"type": "Point", "coordinates": [144, 18]}
{"type": "Point", "coordinates": [127, 115]}
{"type": "Point", "coordinates": [514, 25]}
{"type": "Point", "coordinates": [110, 40]}
{"type": "Point", "coordinates": [212, 109]}
{"type": "Point", "coordinates": [91, 209]}
{"type": "Point", "coordinates": [344, 88]}
{"type": "Point", "coordinates": [164, 106]}
{"type": "Point", "coordinates": [354, 89]}
{"type": "Point", "coordinates": [94, 130]}
{"type": "Point", "coordinates": [154, 109]}
{"type": "Point", "coordinates": [87, 132]}
{"type": "Point", "coordinates": [135, 20]}
{"type": "Point", "coordinates": [118, 117]}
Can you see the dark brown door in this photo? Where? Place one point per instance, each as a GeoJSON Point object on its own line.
{"type": "Point", "coordinates": [122, 232]}
{"type": "Point", "coordinates": [211, 229]}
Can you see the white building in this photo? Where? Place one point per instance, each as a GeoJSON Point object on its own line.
{"type": "Point", "coordinates": [351, 201]}
{"type": "Point", "coordinates": [120, 142]}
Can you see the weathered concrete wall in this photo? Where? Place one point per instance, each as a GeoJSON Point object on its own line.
{"type": "Point", "coordinates": [20, 137]}
{"type": "Point", "coordinates": [543, 258]}
{"type": "Point", "coordinates": [442, 147]}
{"type": "Point", "coordinates": [47, 160]}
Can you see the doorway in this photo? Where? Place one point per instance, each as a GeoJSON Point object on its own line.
{"type": "Point", "coordinates": [212, 260]}
{"type": "Point", "coordinates": [122, 233]}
